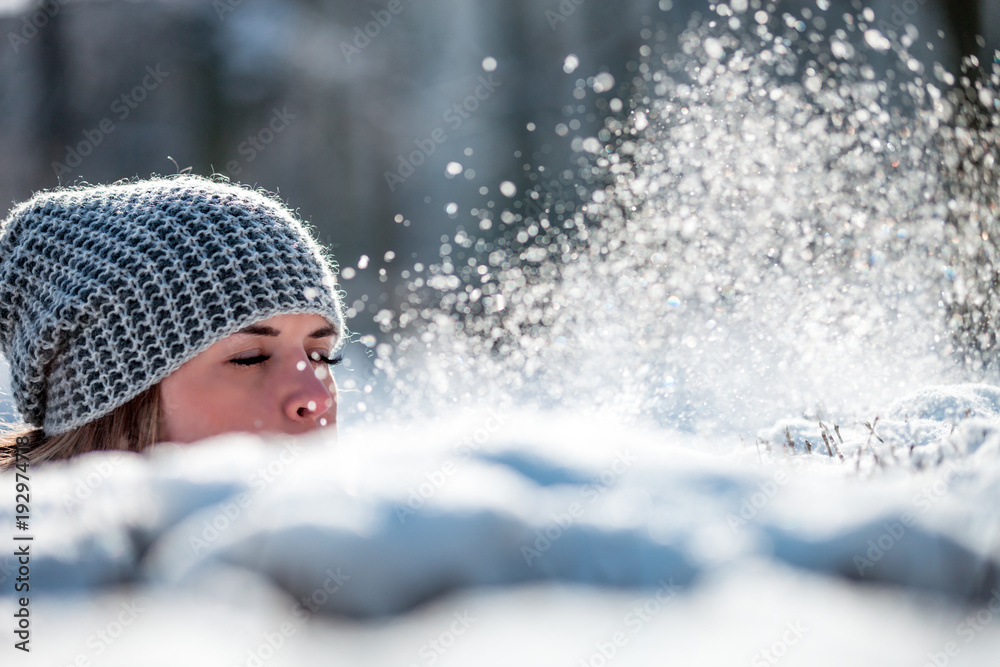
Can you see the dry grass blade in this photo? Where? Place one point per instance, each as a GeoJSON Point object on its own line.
{"type": "Point", "coordinates": [828, 439]}
{"type": "Point", "coordinates": [868, 445]}
{"type": "Point", "coordinates": [871, 429]}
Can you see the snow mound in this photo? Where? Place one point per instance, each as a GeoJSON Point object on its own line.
{"type": "Point", "coordinates": [392, 517]}
{"type": "Point", "coordinates": [949, 403]}
{"type": "Point", "coordinates": [925, 429]}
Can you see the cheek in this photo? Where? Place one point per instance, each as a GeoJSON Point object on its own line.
{"type": "Point", "coordinates": [194, 408]}
{"type": "Point", "coordinates": [177, 399]}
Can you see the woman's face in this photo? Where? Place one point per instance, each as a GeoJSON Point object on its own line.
{"type": "Point", "coordinates": [265, 378]}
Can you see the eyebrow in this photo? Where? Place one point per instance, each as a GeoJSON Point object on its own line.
{"type": "Point", "coordinates": [259, 330]}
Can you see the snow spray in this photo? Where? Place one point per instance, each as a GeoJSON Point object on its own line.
{"type": "Point", "coordinates": [782, 212]}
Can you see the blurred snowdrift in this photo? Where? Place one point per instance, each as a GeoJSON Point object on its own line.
{"type": "Point", "coordinates": [392, 517]}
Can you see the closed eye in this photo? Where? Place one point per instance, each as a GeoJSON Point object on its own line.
{"type": "Point", "coordinates": [329, 361]}
{"type": "Point", "coordinates": [261, 358]}
{"type": "Point", "coordinates": [250, 361]}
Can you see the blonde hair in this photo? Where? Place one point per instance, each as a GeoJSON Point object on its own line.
{"type": "Point", "coordinates": [133, 427]}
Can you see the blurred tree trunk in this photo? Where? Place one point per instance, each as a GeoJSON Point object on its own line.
{"type": "Point", "coordinates": [53, 122]}
{"type": "Point", "coordinates": [965, 20]}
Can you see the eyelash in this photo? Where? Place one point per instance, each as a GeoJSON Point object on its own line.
{"type": "Point", "coordinates": [329, 361]}
{"type": "Point", "coordinates": [315, 356]}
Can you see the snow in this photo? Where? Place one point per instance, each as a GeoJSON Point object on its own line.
{"type": "Point", "coordinates": [723, 424]}
{"type": "Point", "coordinates": [553, 527]}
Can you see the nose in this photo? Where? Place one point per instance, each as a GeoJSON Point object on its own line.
{"type": "Point", "coordinates": [312, 399]}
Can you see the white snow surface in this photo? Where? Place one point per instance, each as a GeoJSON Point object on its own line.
{"type": "Point", "coordinates": [527, 538]}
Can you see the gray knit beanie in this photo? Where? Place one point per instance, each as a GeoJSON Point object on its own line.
{"type": "Point", "coordinates": [106, 290]}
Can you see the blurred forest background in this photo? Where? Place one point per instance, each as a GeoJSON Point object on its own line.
{"type": "Point", "coordinates": [370, 117]}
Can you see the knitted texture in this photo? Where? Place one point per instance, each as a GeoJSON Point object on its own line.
{"type": "Point", "coordinates": [106, 290]}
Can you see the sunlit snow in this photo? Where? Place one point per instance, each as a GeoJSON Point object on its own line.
{"type": "Point", "coordinates": [731, 376]}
